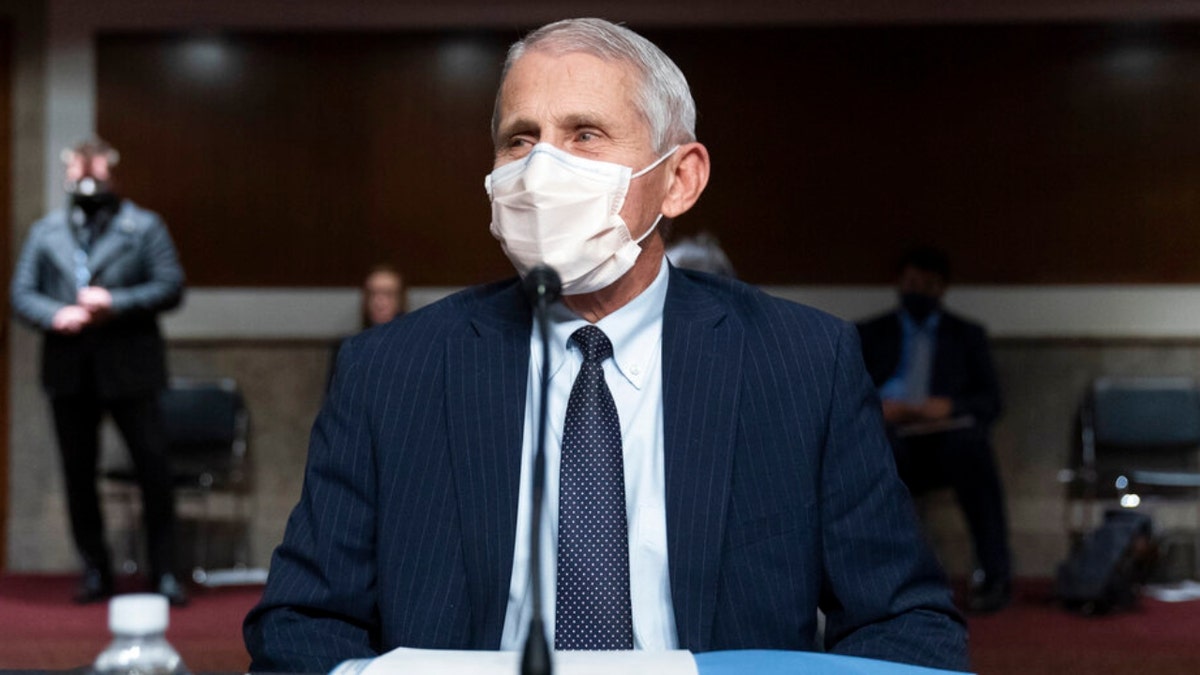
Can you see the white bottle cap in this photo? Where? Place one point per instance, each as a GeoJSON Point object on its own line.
{"type": "Point", "coordinates": [138, 614]}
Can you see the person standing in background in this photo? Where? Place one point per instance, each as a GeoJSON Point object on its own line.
{"type": "Point", "coordinates": [93, 277]}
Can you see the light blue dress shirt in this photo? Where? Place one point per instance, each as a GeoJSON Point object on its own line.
{"type": "Point", "coordinates": [910, 382]}
{"type": "Point", "coordinates": [634, 375]}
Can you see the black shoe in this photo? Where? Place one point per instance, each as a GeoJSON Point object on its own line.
{"type": "Point", "coordinates": [170, 587]}
{"type": "Point", "coordinates": [94, 586]}
{"type": "Point", "coordinates": [990, 596]}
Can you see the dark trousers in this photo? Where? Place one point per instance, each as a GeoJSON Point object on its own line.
{"type": "Point", "coordinates": [962, 460]}
{"type": "Point", "coordinates": [77, 424]}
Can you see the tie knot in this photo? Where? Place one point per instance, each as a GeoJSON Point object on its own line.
{"type": "Point", "coordinates": [593, 343]}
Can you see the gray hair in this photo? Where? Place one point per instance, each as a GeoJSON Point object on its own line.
{"type": "Point", "coordinates": [702, 252]}
{"type": "Point", "coordinates": [663, 98]}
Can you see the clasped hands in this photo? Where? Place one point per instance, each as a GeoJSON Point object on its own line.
{"type": "Point", "coordinates": [932, 409]}
{"type": "Point", "coordinates": [92, 304]}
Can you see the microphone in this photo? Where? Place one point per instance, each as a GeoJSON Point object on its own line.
{"type": "Point", "coordinates": [542, 286]}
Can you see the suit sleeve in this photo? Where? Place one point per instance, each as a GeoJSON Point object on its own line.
{"type": "Point", "coordinates": [162, 288]}
{"type": "Point", "coordinates": [319, 608]}
{"type": "Point", "coordinates": [883, 594]}
{"type": "Point", "coordinates": [29, 303]}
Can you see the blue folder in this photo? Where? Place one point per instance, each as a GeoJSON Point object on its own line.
{"type": "Point", "coordinates": [769, 662]}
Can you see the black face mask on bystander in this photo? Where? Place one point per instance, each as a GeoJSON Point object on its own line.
{"type": "Point", "coordinates": [91, 204]}
{"type": "Point", "coordinates": [919, 305]}
{"type": "Point", "coordinates": [91, 195]}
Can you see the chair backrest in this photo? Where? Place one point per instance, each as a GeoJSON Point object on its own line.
{"type": "Point", "coordinates": [207, 427]}
{"type": "Point", "coordinates": [1134, 425]}
{"type": "Point", "coordinates": [1146, 412]}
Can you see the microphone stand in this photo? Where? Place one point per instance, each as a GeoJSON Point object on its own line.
{"type": "Point", "coordinates": [542, 286]}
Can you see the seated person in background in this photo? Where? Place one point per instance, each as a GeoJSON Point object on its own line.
{"type": "Point", "coordinates": [384, 295]}
{"type": "Point", "coordinates": [383, 299]}
{"type": "Point", "coordinates": [935, 376]}
{"type": "Point", "coordinates": [717, 463]}
{"type": "Point", "coordinates": [702, 253]}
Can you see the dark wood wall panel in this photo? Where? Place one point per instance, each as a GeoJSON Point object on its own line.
{"type": "Point", "coordinates": [1034, 153]}
{"type": "Point", "coordinates": [304, 159]}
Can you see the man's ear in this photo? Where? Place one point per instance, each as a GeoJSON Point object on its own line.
{"type": "Point", "coordinates": [691, 167]}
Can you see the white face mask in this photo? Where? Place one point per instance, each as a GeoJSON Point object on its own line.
{"type": "Point", "coordinates": [553, 208]}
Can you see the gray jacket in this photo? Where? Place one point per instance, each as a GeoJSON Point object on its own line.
{"type": "Point", "coordinates": [135, 260]}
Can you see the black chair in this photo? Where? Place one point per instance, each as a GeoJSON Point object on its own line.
{"type": "Point", "coordinates": [207, 428]}
{"type": "Point", "coordinates": [1138, 443]}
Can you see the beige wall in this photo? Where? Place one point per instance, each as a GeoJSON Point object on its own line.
{"type": "Point", "coordinates": [283, 383]}
{"type": "Point", "coordinates": [1042, 381]}
{"type": "Point", "coordinates": [27, 489]}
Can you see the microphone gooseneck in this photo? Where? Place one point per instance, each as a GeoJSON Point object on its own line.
{"type": "Point", "coordinates": [542, 286]}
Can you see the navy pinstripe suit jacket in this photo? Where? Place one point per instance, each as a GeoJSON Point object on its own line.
{"type": "Point", "coordinates": [781, 491]}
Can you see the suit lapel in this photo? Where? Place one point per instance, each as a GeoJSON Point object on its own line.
{"type": "Point", "coordinates": [702, 353]}
{"type": "Point", "coordinates": [487, 372]}
{"type": "Point", "coordinates": [891, 346]}
{"type": "Point", "coordinates": [61, 245]}
{"type": "Point", "coordinates": [943, 355]}
{"type": "Point", "coordinates": [113, 242]}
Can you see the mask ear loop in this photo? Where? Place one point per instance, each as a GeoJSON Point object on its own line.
{"type": "Point", "coordinates": [648, 231]}
{"type": "Point", "coordinates": [658, 161]}
{"type": "Point", "coordinates": [643, 172]}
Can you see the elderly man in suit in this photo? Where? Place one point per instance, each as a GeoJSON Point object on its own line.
{"type": "Point", "coordinates": [940, 396]}
{"type": "Point", "coordinates": [93, 277]}
{"type": "Point", "coordinates": [717, 468]}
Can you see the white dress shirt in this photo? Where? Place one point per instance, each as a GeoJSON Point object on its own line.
{"type": "Point", "coordinates": [634, 375]}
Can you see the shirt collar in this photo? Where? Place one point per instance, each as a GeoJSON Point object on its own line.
{"type": "Point", "coordinates": [635, 331]}
{"type": "Point", "coordinates": [929, 325]}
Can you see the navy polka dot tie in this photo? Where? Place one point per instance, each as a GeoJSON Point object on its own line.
{"type": "Point", "coordinates": [592, 610]}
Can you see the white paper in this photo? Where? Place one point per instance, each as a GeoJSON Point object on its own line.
{"type": "Point", "coordinates": [404, 661]}
{"type": "Point", "coordinates": [1183, 591]}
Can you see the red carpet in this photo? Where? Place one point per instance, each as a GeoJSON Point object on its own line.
{"type": "Point", "coordinates": [41, 628]}
{"type": "Point", "coordinates": [1036, 637]}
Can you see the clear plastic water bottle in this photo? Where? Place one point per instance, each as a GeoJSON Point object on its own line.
{"type": "Point", "coordinates": [139, 624]}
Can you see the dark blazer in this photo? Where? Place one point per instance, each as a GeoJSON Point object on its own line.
{"type": "Point", "coordinates": [962, 364]}
{"type": "Point", "coordinates": [135, 261]}
{"type": "Point", "coordinates": [780, 487]}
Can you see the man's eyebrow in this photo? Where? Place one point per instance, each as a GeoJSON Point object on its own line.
{"type": "Point", "coordinates": [579, 120]}
{"type": "Point", "coordinates": [520, 125]}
